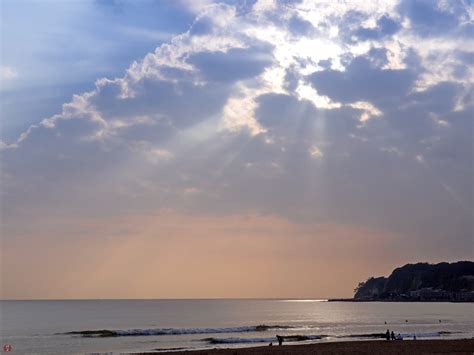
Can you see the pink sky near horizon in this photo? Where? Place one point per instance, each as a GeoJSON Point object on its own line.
{"type": "Point", "coordinates": [173, 255]}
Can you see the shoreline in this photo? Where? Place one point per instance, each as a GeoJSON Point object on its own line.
{"type": "Point", "coordinates": [394, 300]}
{"type": "Point", "coordinates": [444, 346]}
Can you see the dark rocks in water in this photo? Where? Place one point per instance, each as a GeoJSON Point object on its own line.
{"type": "Point", "coordinates": [422, 282]}
{"type": "Point", "coordinates": [103, 333]}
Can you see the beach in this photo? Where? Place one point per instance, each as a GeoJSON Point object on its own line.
{"type": "Point", "coordinates": [457, 346]}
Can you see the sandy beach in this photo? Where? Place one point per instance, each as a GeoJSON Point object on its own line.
{"type": "Point", "coordinates": [458, 347]}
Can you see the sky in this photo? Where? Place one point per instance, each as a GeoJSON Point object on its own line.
{"type": "Point", "coordinates": [205, 149]}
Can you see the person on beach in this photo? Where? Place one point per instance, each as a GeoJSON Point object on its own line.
{"type": "Point", "coordinates": [280, 340]}
{"type": "Point", "coordinates": [387, 334]}
{"type": "Point", "coordinates": [392, 335]}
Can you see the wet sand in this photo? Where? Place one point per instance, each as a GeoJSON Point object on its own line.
{"type": "Point", "coordinates": [458, 347]}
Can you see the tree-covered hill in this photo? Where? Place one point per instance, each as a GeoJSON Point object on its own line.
{"type": "Point", "coordinates": [422, 281]}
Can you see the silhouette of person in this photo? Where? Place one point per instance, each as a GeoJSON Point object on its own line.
{"type": "Point", "coordinates": [280, 340]}
{"type": "Point", "coordinates": [392, 335]}
{"type": "Point", "coordinates": [387, 334]}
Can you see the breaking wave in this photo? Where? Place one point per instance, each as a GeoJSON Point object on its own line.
{"type": "Point", "coordinates": [104, 333]}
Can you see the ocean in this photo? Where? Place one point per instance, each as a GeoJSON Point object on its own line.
{"type": "Point", "coordinates": [124, 326]}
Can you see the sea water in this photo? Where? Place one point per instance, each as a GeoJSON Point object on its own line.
{"type": "Point", "coordinates": [124, 326]}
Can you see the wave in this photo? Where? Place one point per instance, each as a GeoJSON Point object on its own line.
{"type": "Point", "coordinates": [403, 335]}
{"type": "Point", "coordinates": [104, 333]}
{"type": "Point", "coordinates": [365, 335]}
{"type": "Point", "coordinates": [422, 335]}
{"type": "Point", "coordinates": [287, 338]}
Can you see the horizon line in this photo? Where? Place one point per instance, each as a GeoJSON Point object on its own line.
{"type": "Point", "coordinates": [309, 299]}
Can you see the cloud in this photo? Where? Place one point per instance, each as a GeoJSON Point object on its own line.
{"type": "Point", "coordinates": [8, 73]}
{"type": "Point", "coordinates": [363, 81]}
{"type": "Point", "coordinates": [434, 18]}
{"type": "Point", "coordinates": [277, 109]}
{"type": "Point", "coordinates": [315, 152]}
{"type": "Point", "coordinates": [235, 64]}
{"type": "Point", "coordinates": [298, 26]}
{"type": "Point", "coordinates": [271, 109]}
{"type": "Point", "coordinates": [385, 26]}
